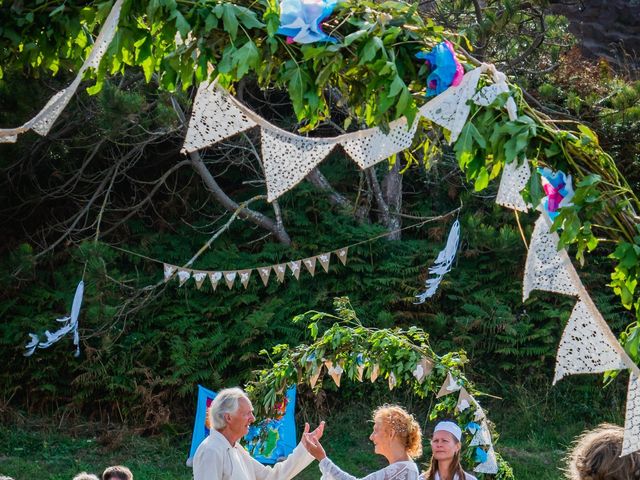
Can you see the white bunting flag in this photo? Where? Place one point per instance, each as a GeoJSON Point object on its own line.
{"type": "Point", "coordinates": [183, 276]}
{"type": "Point", "coordinates": [288, 158]}
{"type": "Point", "coordinates": [584, 347]}
{"type": "Point", "coordinates": [199, 277]}
{"type": "Point", "coordinates": [371, 146]}
{"type": "Point", "coordinates": [546, 268]}
{"type": "Point", "coordinates": [631, 441]}
{"type": "Point", "coordinates": [514, 178]}
{"type": "Point", "coordinates": [214, 278]}
{"type": "Point", "coordinates": [169, 270]}
{"type": "Point", "coordinates": [214, 117]}
{"type": "Point", "coordinates": [482, 435]}
{"type": "Point", "coordinates": [264, 274]}
{"type": "Point", "coordinates": [490, 466]}
{"type": "Point", "coordinates": [450, 109]}
{"type": "Point", "coordinates": [450, 385]}
{"type": "Point", "coordinates": [295, 268]}
{"type": "Point", "coordinates": [230, 278]}
{"type": "Point", "coordinates": [310, 263]}
{"type": "Point", "coordinates": [464, 400]}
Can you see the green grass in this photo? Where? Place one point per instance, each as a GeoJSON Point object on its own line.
{"type": "Point", "coordinates": [536, 426]}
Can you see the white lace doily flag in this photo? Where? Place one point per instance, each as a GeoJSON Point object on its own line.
{"type": "Point", "coordinates": [464, 400]}
{"type": "Point", "coordinates": [244, 275]}
{"type": "Point", "coordinates": [482, 435]}
{"type": "Point", "coordinates": [449, 386]}
{"type": "Point", "coordinates": [230, 278]}
{"type": "Point", "coordinates": [371, 146]}
{"type": "Point", "coordinates": [325, 258]}
{"type": "Point", "coordinates": [9, 135]}
{"type": "Point", "coordinates": [287, 159]}
{"type": "Point", "coordinates": [280, 270]}
{"type": "Point", "coordinates": [264, 274]}
{"type": "Point", "coordinates": [45, 119]}
{"type": "Point", "coordinates": [584, 347]}
{"type": "Point", "coordinates": [310, 263]}
{"type": "Point", "coordinates": [294, 266]}
{"type": "Point", "coordinates": [631, 441]}
{"type": "Point", "coordinates": [342, 255]}
{"type": "Point", "coordinates": [514, 179]}
{"type": "Point", "coordinates": [490, 466]}
{"type": "Point", "coordinates": [183, 276]}
{"type": "Point", "coordinates": [546, 269]}
{"type": "Point", "coordinates": [214, 278]}
{"type": "Point", "coordinates": [169, 270]}
{"type": "Point", "coordinates": [450, 109]}
{"type": "Point", "coordinates": [199, 277]}
{"type": "Point", "coordinates": [214, 117]}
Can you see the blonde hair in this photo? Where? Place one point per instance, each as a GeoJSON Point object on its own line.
{"type": "Point", "coordinates": [400, 422]}
{"type": "Point", "coordinates": [595, 455]}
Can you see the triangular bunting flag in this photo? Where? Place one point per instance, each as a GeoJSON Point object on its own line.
{"type": "Point", "coordinates": [169, 270]}
{"type": "Point", "coordinates": [313, 379]}
{"type": "Point", "coordinates": [584, 347]}
{"type": "Point", "coordinates": [392, 380]}
{"type": "Point", "coordinates": [288, 158]}
{"type": "Point", "coordinates": [631, 441]}
{"type": "Point", "coordinates": [479, 413]}
{"type": "Point", "coordinates": [546, 269]}
{"type": "Point", "coordinates": [449, 386]}
{"type": "Point", "coordinates": [310, 263]}
{"type": "Point", "coordinates": [244, 277]}
{"type": "Point", "coordinates": [230, 278]}
{"type": "Point", "coordinates": [490, 466]}
{"type": "Point", "coordinates": [264, 274]}
{"type": "Point", "coordinates": [371, 146]}
{"type": "Point", "coordinates": [482, 436]}
{"type": "Point", "coordinates": [464, 400]}
{"type": "Point", "coordinates": [214, 117]}
{"type": "Point", "coordinates": [342, 255]}
{"type": "Point", "coordinates": [514, 179]}
{"type": "Point", "coordinates": [8, 135]}
{"type": "Point", "coordinates": [335, 372]}
{"type": "Point", "coordinates": [280, 271]}
{"type": "Point", "coordinates": [450, 109]}
{"type": "Point", "coordinates": [214, 278]}
{"type": "Point", "coordinates": [183, 276]}
{"type": "Point", "coordinates": [423, 369]}
{"type": "Point", "coordinates": [295, 268]}
{"type": "Point", "coordinates": [199, 278]}
{"type": "Point", "coordinates": [375, 371]}
{"type": "Point", "coordinates": [325, 258]}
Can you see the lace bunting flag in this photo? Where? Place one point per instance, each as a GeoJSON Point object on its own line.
{"type": "Point", "coordinates": [288, 159]}
{"type": "Point", "coordinates": [214, 117]}
{"type": "Point", "coordinates": [371, 146]}
{"type": "Point", "coordinates": [310, 263]}
{"type": "Point", "coordinates": [464, 400]}
{"type": "Point", "coordinates": [631, 441]}
{"type": "Point", "coordinates": [264, 274]}
{"type": "Point", "coordinates": [482, 435]}
{"type": "Point", "coordinates": [546, 269]}
{"type": "Point", "coordinates": [47, 116]}
{"type": "Point", "coordinates": [450, 109]}
{"type": "Point", "coordinates": [514, 179]}
{"type": "Point", "coordinates": [584, 347]}
{"type": "Point", "coordinates": [490, 466]}
{"type": "Point", "coordinates": [295, 268]}
{"type": "Point", "coordinates": [214, 278]}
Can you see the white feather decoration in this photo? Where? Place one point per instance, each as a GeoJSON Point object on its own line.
{"type": "Point", "coordinates": [442, 265]}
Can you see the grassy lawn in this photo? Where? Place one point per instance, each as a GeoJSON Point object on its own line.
{"type": "Point", "coordinates": [535, 429]}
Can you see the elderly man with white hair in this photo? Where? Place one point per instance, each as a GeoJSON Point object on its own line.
{"type": "Point", "coordinates": [221, 457]}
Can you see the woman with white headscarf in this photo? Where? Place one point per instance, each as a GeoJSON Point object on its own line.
{"type": "Point", "coordinates": [445, 457]}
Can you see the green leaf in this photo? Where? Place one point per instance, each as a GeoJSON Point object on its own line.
{"type": "Point", "coordinates": [181, 24]}
{"type": "Point", "coordinates": [246, 57]}
{"type": "Point", "coordinates": [352, 37]}
{"type": "Point", "coordinates": [396, 86]}
{"type": "Point", "coordinates": [229, 19]}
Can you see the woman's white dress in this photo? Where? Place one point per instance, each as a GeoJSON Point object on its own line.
{"type": "Point", "coordinates": [406, 470]}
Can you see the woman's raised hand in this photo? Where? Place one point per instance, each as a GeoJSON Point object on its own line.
{"type": "Point", "coordinates": [311, 441]}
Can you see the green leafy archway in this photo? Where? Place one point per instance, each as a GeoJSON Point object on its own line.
{"type": "Point", "coordinates": [402, 358]}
